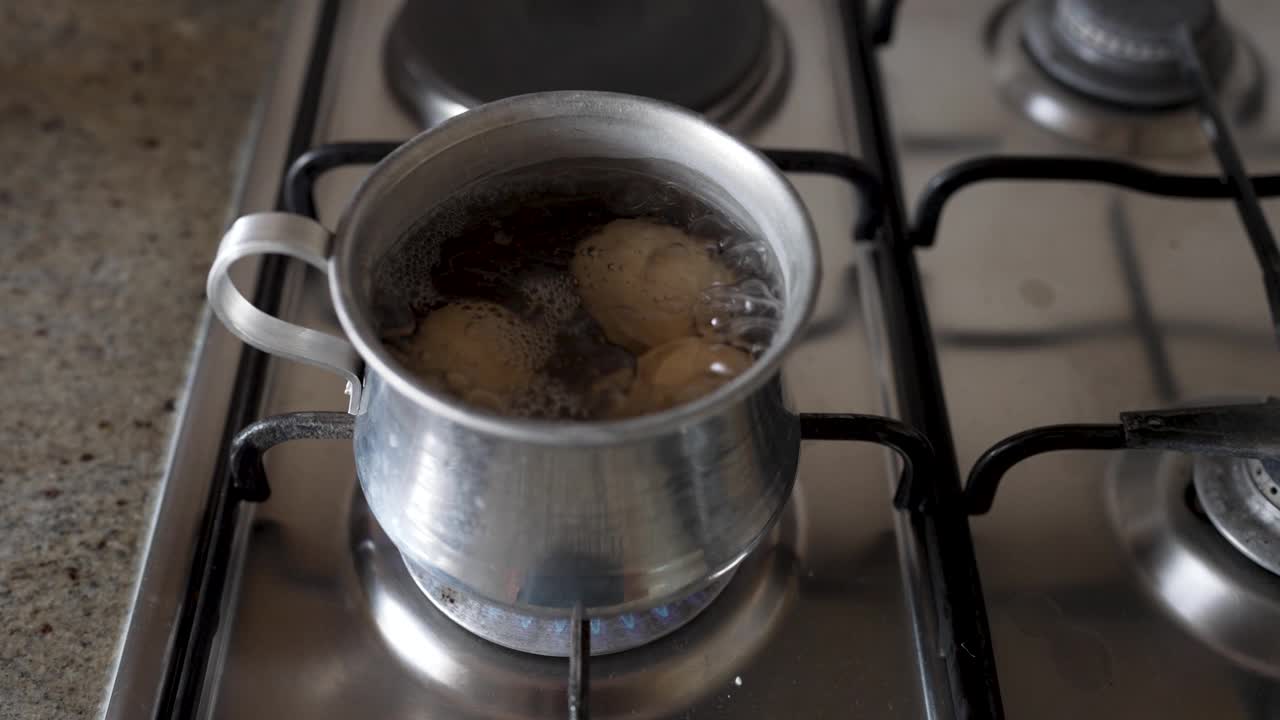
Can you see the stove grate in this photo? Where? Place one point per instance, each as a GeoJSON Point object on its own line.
{"type": "Point", "coordinates": [1247, 430]}
{"type": "Point", "coordinates": [250, 480]}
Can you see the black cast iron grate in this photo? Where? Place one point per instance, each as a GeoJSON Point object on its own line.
{"type": "Point", "coordinates": [249, 479]}
{"type": "Point", "coordinates": [942, 531]}
{"type": "Point", "coordinates": [1246, 430]}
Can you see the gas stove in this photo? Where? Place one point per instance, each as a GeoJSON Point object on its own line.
{"type": "Point", "coordinates": [1037, 235]}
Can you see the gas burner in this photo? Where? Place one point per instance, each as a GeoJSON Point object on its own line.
{"type": "Point", "coordinates": [493, 681]}
{"type": "Point", "coordinates": [1214, 591]}
{"type": "Point", "coordinates": [1106, 73]}
{"type": "Point", "coordinates": [1241, 498]}
{"type": "Point", "coordinates": [726, 59]}
{"type": "Point", "coordinates": [550, 635]}
{"type": "Point", "coordinates": [1126, 52]}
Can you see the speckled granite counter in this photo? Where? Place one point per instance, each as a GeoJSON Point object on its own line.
{"type": "Point", "coordinates": [120, 128]}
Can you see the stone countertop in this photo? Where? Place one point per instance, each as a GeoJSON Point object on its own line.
{"type": "Point", "coordinates": [120, 128]}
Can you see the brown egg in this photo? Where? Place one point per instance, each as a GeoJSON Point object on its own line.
{"type": "Point", "coordinates": [641, 280]}
{"type": "Point", "coordinates": [680, 372]}
{"type": "Point", "coordinates": [480, 350]}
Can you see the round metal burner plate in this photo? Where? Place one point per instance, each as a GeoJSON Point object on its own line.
{"type": "Point", "coordinates": [1126, 52]}
{"type": "Point", "coordinates": [1212, 590]}
{"type": "Point", "coordinates": [443, 58]}
{"type": "Point", "coordinates": [1239, 496]}
{"type": "Point", "coordinates": [1107, 126]}
{"type": "Point", "coordinates": [551, 635]}
{"type": "Point", "coordinates": [688, 53]}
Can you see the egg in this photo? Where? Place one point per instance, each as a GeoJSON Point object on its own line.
{"type": "Point", "coordinates": [480, 350]}
{"type": "Point", "coordinates": [641, 281]}
{"type": "Point", "coordinates": [679, 372]}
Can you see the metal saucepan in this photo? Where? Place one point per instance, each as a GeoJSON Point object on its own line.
{"type": "Point", "coordinates": [540, 515]}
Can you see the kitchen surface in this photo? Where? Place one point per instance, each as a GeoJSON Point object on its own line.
{"type": "Point", "coordinates": [1064, 302]}
{"type": "Point", "coordinates": [123, 129]}
{"type": "Point", "coordinates": [1025, 464]}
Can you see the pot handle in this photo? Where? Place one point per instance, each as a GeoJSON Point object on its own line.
{"type": "Point", "coordinates": [280, 233]}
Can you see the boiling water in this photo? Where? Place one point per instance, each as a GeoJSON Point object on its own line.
{"type": "Point", "coordinates": [582, 291]}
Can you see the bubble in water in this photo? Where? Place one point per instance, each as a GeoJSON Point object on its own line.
{"type": "Point", "coordinates": [745, 314]}
{"type": "Point", "coordinates": [551, 297]}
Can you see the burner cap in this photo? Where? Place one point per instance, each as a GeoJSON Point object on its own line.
{"type": "Point", "coordinates": [1213, 591]}
{"type": "Point", "coordinates": [1242, 499]}
{"type": "Point", "coordinates": [696, 54]}
{"type": "Point", "coordinates": [1124, 52]}
{"type": "Point", "coordinates": [551, 635]}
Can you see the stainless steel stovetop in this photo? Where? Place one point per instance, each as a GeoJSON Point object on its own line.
{"type": "Point", "coordinates": [1063, 303]}
{"type": "Point", "coordinates": [1105, 592]}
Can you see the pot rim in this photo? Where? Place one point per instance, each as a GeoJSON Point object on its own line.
{"type": "Point", "coordinates": [541, 106]}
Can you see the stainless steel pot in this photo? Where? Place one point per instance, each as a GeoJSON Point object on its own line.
{"type": "Point", "coordinates": [543, 516]}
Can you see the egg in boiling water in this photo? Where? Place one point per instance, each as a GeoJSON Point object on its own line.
{"type": "Point", "coordinates": [481, 351]}
{"type": "Point", "coordinates": [641, 280]}
{"type": "Point", "coordinates": [679, 372]}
